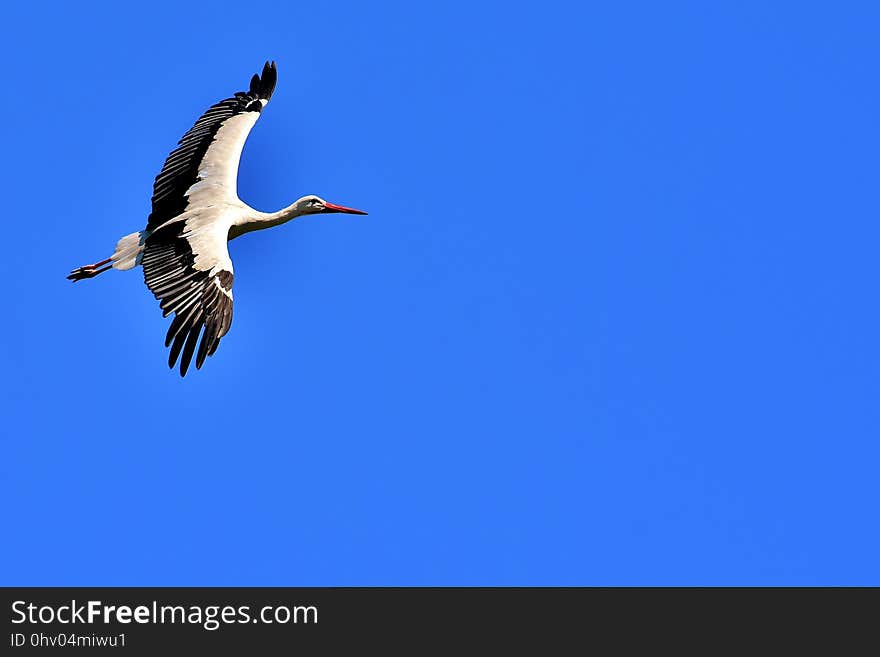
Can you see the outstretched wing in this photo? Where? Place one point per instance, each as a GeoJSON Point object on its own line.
{"type": "Point", "coordinates": [203, 169]}
{"type": "Point", "coordinates": [187, 267]}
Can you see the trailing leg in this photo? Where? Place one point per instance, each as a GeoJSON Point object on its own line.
{"type": "Point", "coordinates": [89, 271]}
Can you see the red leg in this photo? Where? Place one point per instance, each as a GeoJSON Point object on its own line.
{"type": "Point", "coordinates": [97, 264]}
{"type": "Point", "coordinates": [90, 271]}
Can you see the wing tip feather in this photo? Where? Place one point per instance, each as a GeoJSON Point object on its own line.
{"type": "Point", "coordinates": [263, 85]}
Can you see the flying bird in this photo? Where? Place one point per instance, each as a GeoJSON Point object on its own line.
{"type": "Point", "coordinates": [195, 212]}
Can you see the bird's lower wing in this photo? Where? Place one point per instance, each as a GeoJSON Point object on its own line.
{"type": "Point", "coordinates": [187, 267]}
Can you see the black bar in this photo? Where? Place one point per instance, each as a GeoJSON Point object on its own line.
{"type": "Point", "coordinates": [284, 620]}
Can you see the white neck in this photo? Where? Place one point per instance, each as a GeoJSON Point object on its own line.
{"type": "Point", "coordinates": [256, 220]}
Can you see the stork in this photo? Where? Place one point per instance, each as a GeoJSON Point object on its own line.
{"type": "Point", "coordinates": [195, 212]}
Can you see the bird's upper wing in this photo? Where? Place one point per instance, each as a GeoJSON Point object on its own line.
{"type": "Point", "coordinates": [203, 169]}
{"type": "Point", "coordinates": [187, 267]}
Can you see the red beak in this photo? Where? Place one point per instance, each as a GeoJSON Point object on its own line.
{"type": "Point", "coordinates": [332, 207]}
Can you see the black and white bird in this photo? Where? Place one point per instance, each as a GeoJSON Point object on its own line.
{"type": "Point", "coordinates": [196, 211]}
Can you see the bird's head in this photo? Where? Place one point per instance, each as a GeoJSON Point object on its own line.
{"type": "Point", "coordinates": [316, 205]}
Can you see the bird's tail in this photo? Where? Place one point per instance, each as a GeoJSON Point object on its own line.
{"type": "Point", "coordinates": [126, 256]}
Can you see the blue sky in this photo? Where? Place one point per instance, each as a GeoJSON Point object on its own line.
{"type": "Point", "coordinates": [612, 318]}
